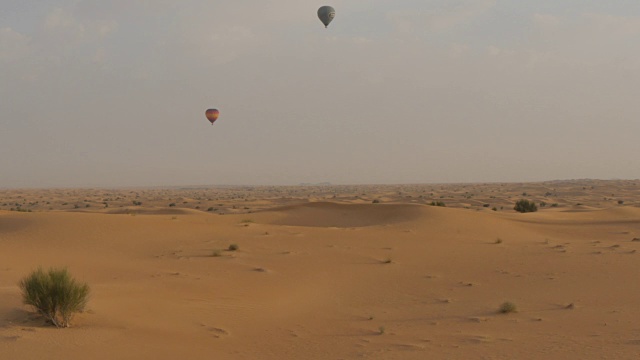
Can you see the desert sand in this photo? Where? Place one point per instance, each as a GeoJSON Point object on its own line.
{"type": "Point", "coordinates": [329, 272]}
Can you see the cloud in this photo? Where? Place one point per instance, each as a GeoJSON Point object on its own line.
{"type": "Point", "coordinates": [13, 45]}
{"type": "Point", "coordinates": [459, 14]}
{"type": "Point", "coordinates": [439, 19]}
{"type": "Point", "coordinates": [590, 26]}
{"type": "Point", "coordinates": [99, 56]}
{"type": "Point", "coordinates": [587, 39]}
{"type": "Point", "coordinates": [61, 19]}
{"type": "Point", "coordinates": [611, 25]}
{"type": "Point", "coordinates": [61, 39]}
{"type": "Point", "coordinates": [546, 22]}
{"type": "Point", "coordinates": [66, 26]}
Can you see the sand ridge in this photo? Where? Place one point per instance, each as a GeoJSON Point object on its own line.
{"type": "Point", "coordinates": [328, 214]}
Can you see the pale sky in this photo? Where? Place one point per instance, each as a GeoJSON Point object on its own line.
{"type": "Point", "coordinates": [113, 93]}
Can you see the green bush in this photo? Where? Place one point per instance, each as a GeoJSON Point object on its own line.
{"type": "Point", "coordinates": [525, 206]}
{"type": "Point", "coordinates": [54, 294]}
{"type": "Point", "coordinates": [507, 307]}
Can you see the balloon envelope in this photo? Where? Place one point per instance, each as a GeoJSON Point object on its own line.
{"type": "Point", "coordinates": [326, 14]}
{"type": "Point", "coordinates": [212, 115]}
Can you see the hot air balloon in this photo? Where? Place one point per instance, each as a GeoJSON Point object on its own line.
{"type": "Point", "coordinates": [212, 115]}
{"type": "Point", "coordinates": [326, 14]}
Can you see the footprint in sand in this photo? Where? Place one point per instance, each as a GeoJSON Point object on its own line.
{"type": "Point", "coordinates": [408, 347]}
{"type": "Point", "coordinates": [215, 331]}
{"type": "Point", "coordinates": [476, 339]}
{"type": "Point", "coordinates": [10, 338]}
{"type": "Point", "coordinates": [476, 319]}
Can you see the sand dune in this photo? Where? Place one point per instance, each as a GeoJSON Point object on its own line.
{"type": "Point", "coordinates": [330, 279]}
{"type": "Point", "coordinates": [326, 214]}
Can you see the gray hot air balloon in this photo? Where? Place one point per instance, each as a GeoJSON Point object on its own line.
{"type": "Point", "coordinates": [326, 14]}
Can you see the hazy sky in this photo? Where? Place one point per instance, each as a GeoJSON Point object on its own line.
{"type": "Point", "coordinates": [113, 93]}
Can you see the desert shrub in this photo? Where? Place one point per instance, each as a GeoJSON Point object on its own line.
{"type": "Point", "coordinates": [437, 203]}
{"type": "Point", "coordinates": [507, 307]}
{"type": "Point", "coordinates": [54, 294]}
{"type": "Point", "coordinates": [234, 247]}
{"type": "Point", "coordinates": [525, 206]}
{"type": "Point", "coordinates": [375, 201]}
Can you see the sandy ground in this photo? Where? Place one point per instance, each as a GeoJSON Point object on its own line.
{"type": "Point", "coordinates": [323, 272]}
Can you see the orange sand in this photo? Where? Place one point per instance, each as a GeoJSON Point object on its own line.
{"type": "Point", "coordinates": [324, 273]}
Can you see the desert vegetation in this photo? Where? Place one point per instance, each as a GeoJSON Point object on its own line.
{"type": "Point", "coordinates": [507, 307]}
{"type": "Point", "coordinates": [54, 294]}
{"type": "Point", "coordinates": [525, 206]}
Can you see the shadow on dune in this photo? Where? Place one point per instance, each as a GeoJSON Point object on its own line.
{"type": "Point", "coordinates": [153, 211]}
{"type": "Point", "coordinates": [22, 317]}
{"type": "Point", "coordinates": [10, 223]}
{"type": "Point", "coordinates": [326, 214]}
